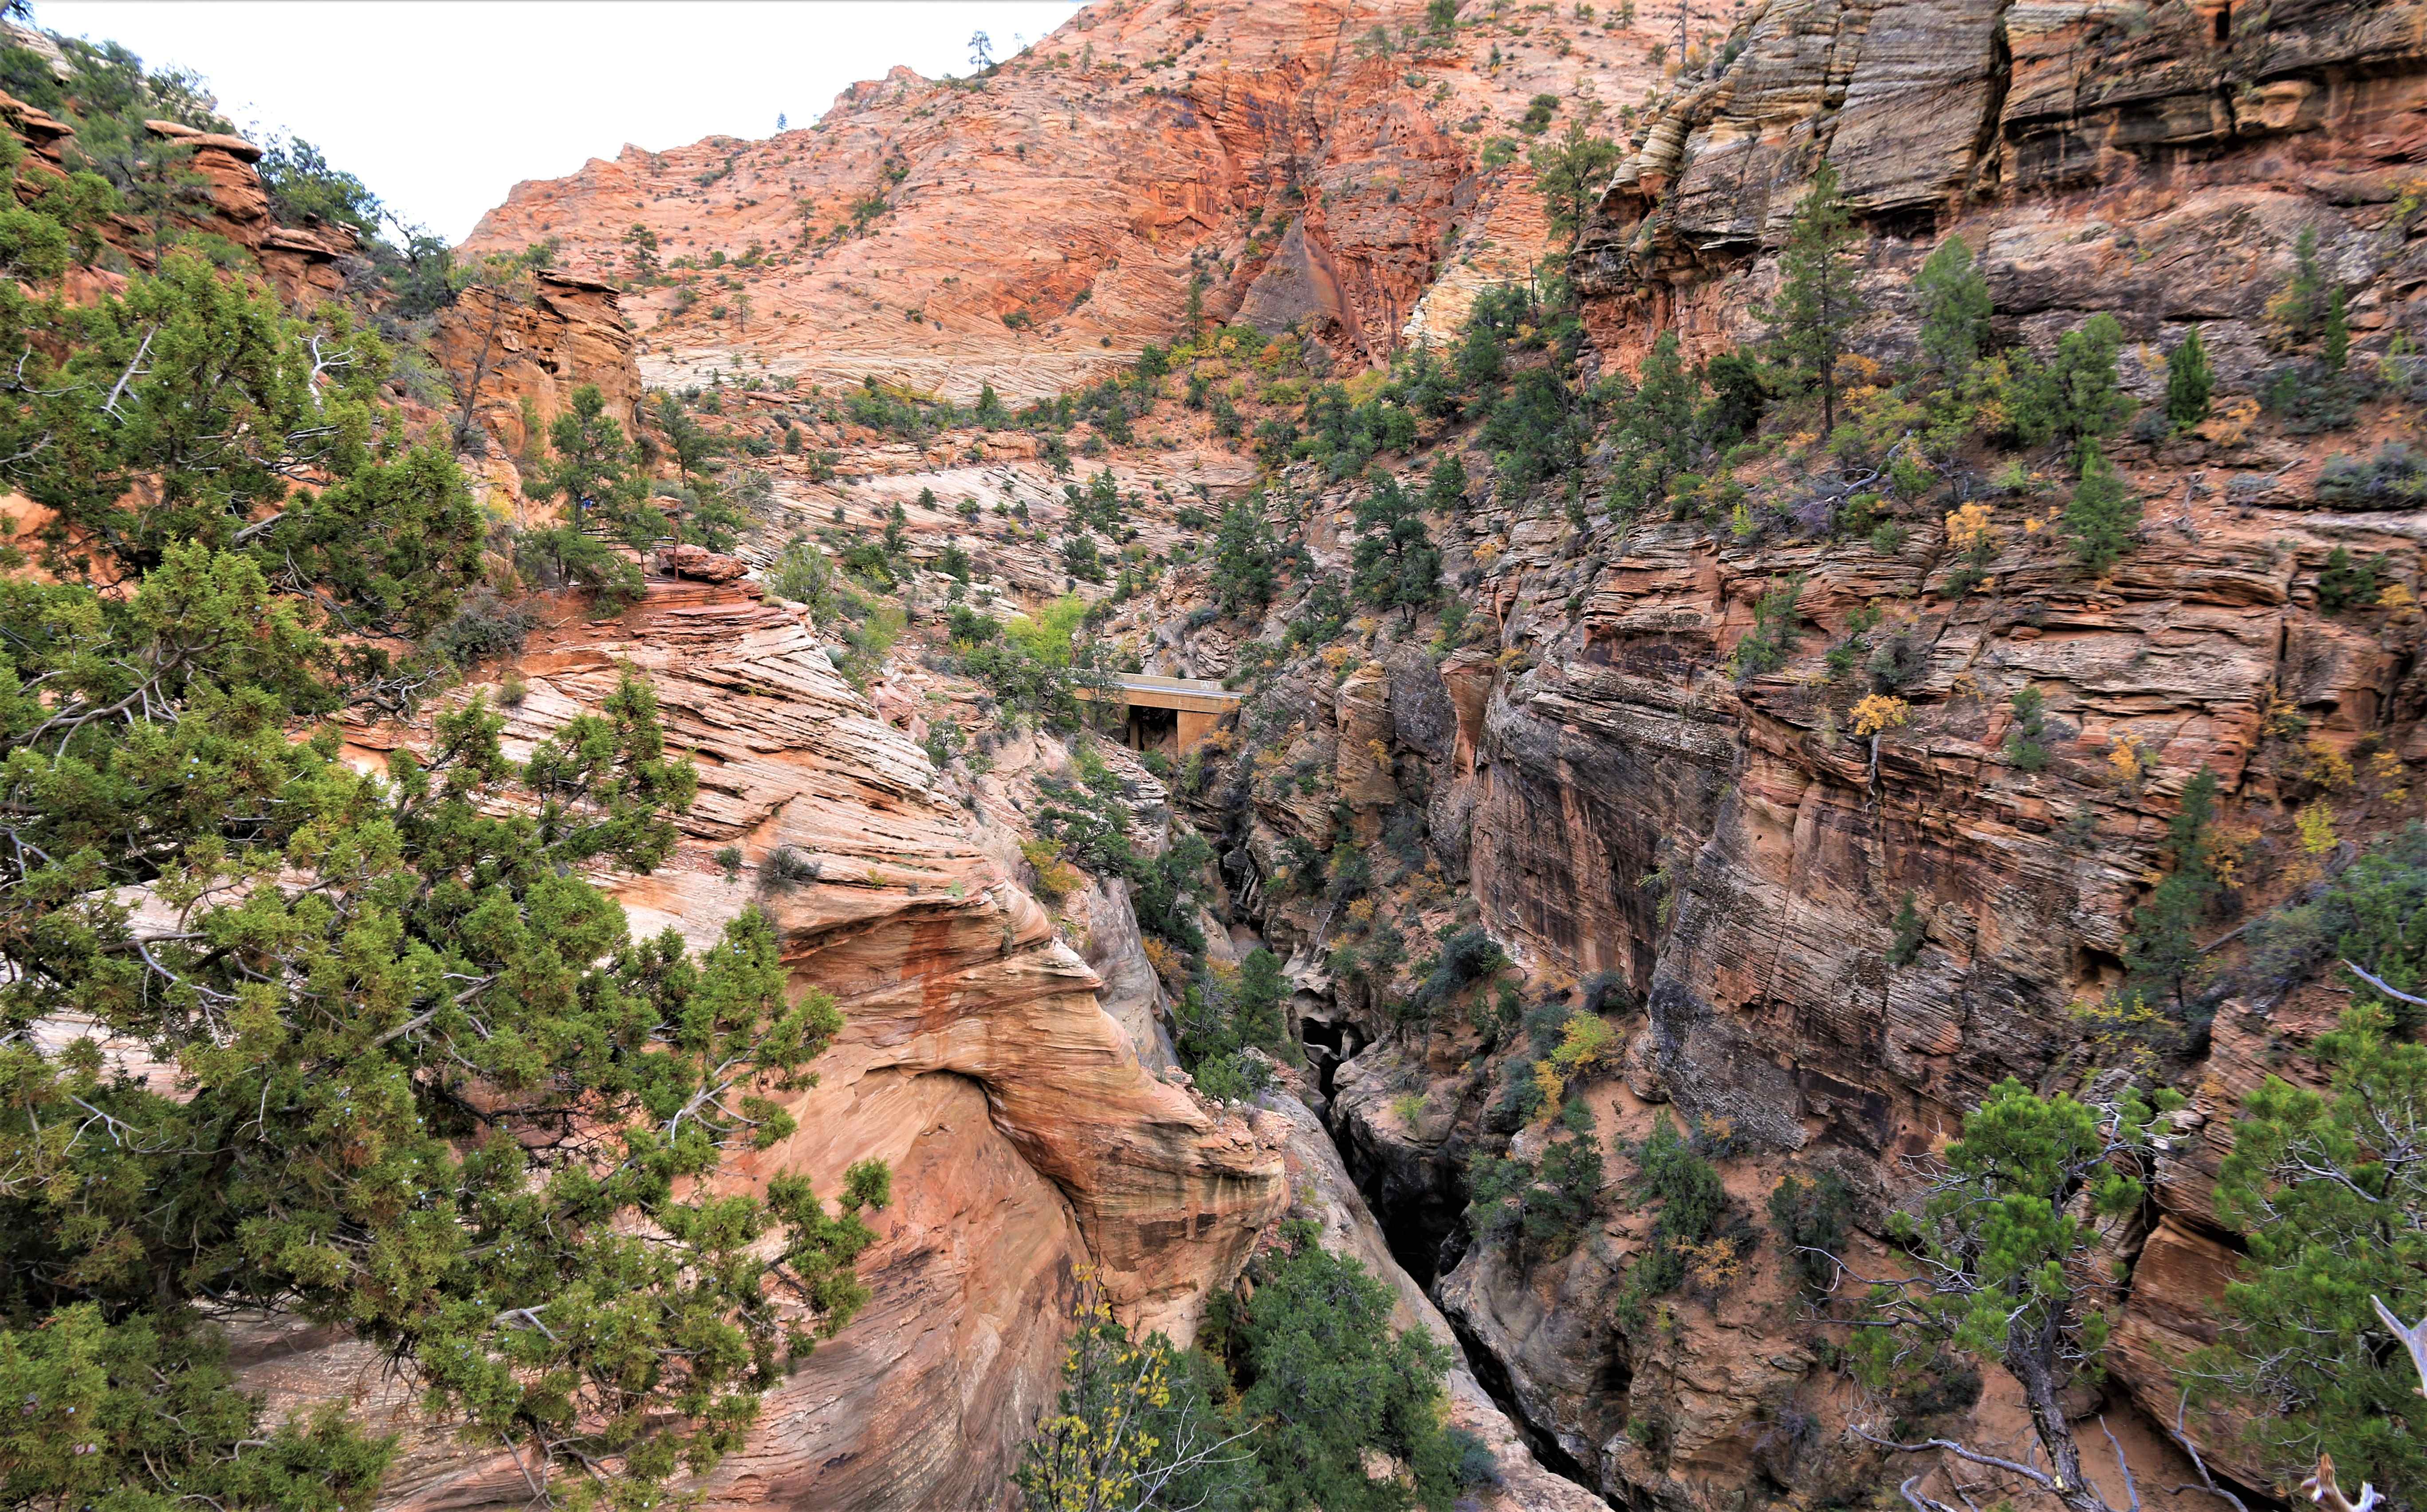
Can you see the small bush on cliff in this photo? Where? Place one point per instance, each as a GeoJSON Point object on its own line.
{"type": "Point", "coordinates": [1138, 1425]}
{"type": "Point", "coordinates": [2189, 379]}
{"type": "Point", "coordinates": [2024, 747]}
{"type": "Point", "coordinates": [1908, 930]}
{"type": "Point", "coordinates": [1953, 300]}
{"type": "Point", "coordinates": [2344, 583]}
{"type": "Point", "coordinates": [2164, 950]}
{"type": "Point", "coordinates": [1544, 1202]}
{"type": "Point", "coordinates": [1771, 639]}
{"type": "Point", "coordinates": [2103, 511]}
{"type": "Point", "coordinates": [1694, 1237]}
{"type": "Point", "coordinates": [1812, 1219]}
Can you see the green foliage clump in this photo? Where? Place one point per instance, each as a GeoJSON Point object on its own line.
{"type": "Point", "coordinates": [1570, 175]}
{"type": "Point", "coordinates": [2189, 379]}
{"type": "Point", "coordinates": [1766, 645]}
{"type": "Point", "coordinates": [2164, 950]}
{"type": "Point", "coordinates": [1813, 1219]}
{"type": "Point", "coordinates": [2345, 583]}
{"type": "Point", "coordinates": [2372, 914]}
{"type": "Point", "coordinates": [1908, 931]}
{"type": "Point", "coordinates": [1547, 1201]}
{"type": "Point", "coordinates": [1396, 563]}
{"type": "Point", "coordinates": [1953, 300]}
{"type": "Point", "coordinates": [2328, 1191]}
{"type": "Point", "coordinates": [1034, 665]}
{"type": "Point", "coordinates": [370, 1132]}
{"type": "Point", "coordinates": [2394, 478]}
{"type": "Point", "coordinates": [1694, 1208]}
{"type": "Point", "coordinates": [2103, 512]}
{"type": "Point", "coordinates": [2003, 1238]}
{"type": "Point", "coordinates": [2024, 746]}
{"type": "Point", "coordinates": [1245, 560]}
{"type": "Point", "coordinates": [1332, 1382]}
{"type": "Point", "coordinates": [2076, 398]}
{"type": "Point", "coordinates": [1138, 1425]}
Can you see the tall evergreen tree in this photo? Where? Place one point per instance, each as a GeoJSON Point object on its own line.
{"type": "Point", "coordinates": [2103, 512]}
{"type": "Point", "coordinates": [2189, 381]}
{"type": "Point", "coordinates": [1570, 174]}
{"type": "Point", "coordinates": [1244, 559]}
{"type": "Point", "coordinates": [1396, 563]}
{"type": "Point", "coordinates": [1955, 309]}
{"type": "Point", "coordinates": [592, 466]}
{"type": "Point", "coordinates": [1819, 297]}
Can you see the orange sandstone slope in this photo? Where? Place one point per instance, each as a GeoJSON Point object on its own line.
{"type": "Point", "coordinates": [1035, 228]}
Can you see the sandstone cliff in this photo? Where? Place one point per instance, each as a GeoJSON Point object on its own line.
{"type": "Point", "coordinates": [1309, 161]}
{"type": "Point", "coordinates": [1025, 1137]}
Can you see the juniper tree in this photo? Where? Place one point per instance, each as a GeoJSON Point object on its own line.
{"type": "Point", "coordinates": [1953, 298]}
{"type": "Point", "coordinates": [2189, 381]}
{"type": "Point", "coordinates": [1819, 297]}
{"type": "Point", "coordinates": [2004, 1239]}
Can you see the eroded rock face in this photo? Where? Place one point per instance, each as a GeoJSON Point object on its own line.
{"type": "Point", "coordinates": [520, 358]}
{"type": "Point", "coordinates": [1731, 851]}
{"type": "Point", "coordinates": [1035, 228]}
{"type": "Point", "coordinates": [305, 264]}
{"type": "Point", "coordinates": [1025, 1135]}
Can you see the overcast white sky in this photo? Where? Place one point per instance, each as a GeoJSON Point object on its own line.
{"type": "Point", "coordinates": [442, 107]}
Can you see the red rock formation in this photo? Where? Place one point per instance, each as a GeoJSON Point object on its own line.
{"type": "Point", "coordinates": [519, 356]}
{"type": "Point", "coordinates": [1307, 173]}
{"type": "Point", "coordinates": [1026, 1137]}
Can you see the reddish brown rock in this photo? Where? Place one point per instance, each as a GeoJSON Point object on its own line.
{"type": "Point", "coordinates": [1307, 173]}
{"type": "Point", "coordinates": [1026, 1137]}
{"type": "Point", "coordinates": [684, 560]}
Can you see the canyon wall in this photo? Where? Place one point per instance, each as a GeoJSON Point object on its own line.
{"type": "Point", "coordinates": [1308, 162]}
{"type": "Point", "coordinates": [1735, 856]}
{"type": "Point", "coordinates": [1025, 1137]}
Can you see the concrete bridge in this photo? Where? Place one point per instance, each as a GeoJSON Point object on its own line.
{"type": "Point", "coordinates": [1173, 715]}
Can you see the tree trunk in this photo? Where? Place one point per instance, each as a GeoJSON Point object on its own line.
{"type": "Point", "coordinates": [2031, 1356]}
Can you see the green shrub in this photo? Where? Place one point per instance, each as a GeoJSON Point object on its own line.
{"type": "Point", "coordinates": [1808, 1215]}
{"type": "Point", "coordinates": [2103, 514]}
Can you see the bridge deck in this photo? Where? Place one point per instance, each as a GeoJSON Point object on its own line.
{"type": "Point", "coordinates": [1198, 694]}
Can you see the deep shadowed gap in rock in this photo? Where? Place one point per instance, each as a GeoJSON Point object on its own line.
{"type": "Point", "coordinates": [1494, 1377]}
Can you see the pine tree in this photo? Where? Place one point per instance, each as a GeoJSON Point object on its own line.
{"type": "Point", "coordinates": [2328, 1192]}
{"type": "Point", "coordinates": [591, 466]}
{"type": "Point", "coordinates": [2104, 511]}
{"type": "Point", "coordinates": [1819, 299]}
{"type": "Point", "coordinates": [1955, 309]}
{"type": "Point", "coordinates": [1396, 563]}
{"type": "Point", "coordinates": [2003, 1237]}
{"type": "Point", "coordinates": [2189, 381]}
{"type": "Point", "coordinates": [1570, 175]}
{"type": "Point", "coordinates": [1244, 559]}
{"type": "Point", "coordinates": [2334, 347]}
